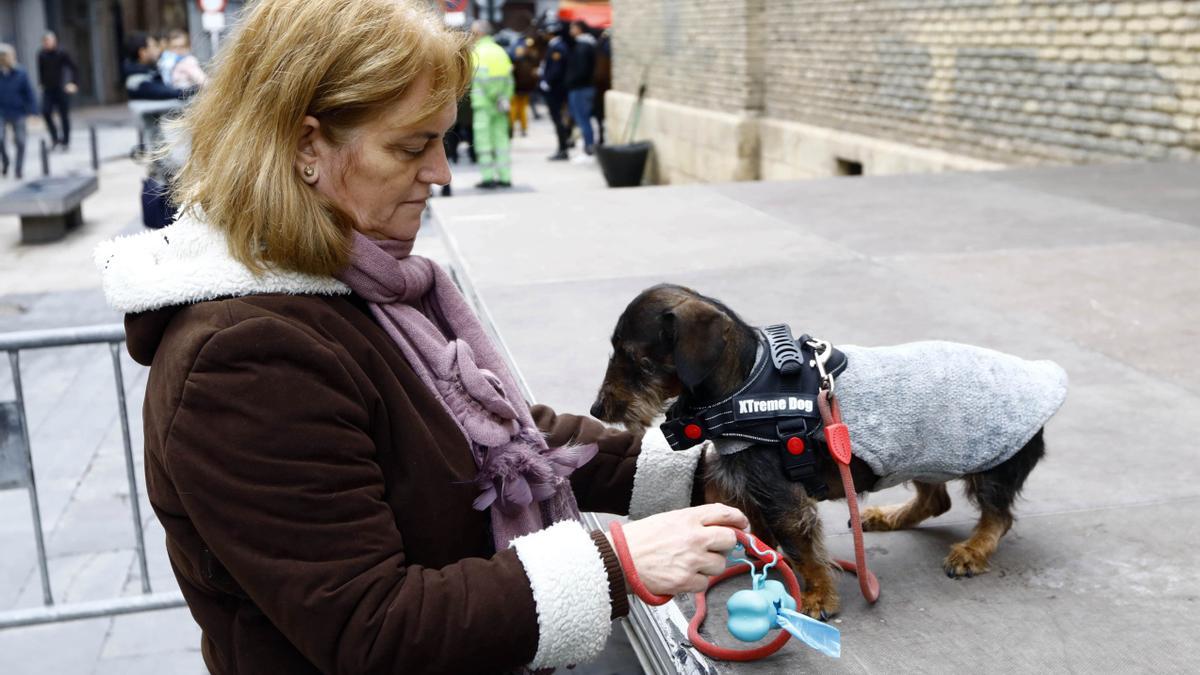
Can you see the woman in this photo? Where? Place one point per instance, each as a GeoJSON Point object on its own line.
{"type": "Point", "coordinates": [348, 479]}
{"type": "Point", "coordinates": [16, 103]}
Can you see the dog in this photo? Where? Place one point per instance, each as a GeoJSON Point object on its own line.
{"type": "Point", "coordinates": [674, 346]}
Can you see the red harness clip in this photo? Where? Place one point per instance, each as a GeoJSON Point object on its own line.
{"type": "Point", "coordinates": [837, 437]}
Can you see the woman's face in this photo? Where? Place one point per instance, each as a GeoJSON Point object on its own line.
{"type": "Point", "coordinates": [381, 176]}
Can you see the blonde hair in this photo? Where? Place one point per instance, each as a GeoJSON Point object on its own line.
{"type": "Point", "coordinates": [341, 61]}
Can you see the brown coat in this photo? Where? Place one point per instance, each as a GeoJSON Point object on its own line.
{"type": "Point", "coordinates": [317, 499]}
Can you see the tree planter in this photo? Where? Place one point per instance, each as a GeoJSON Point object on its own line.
{"type": "Point", "coordinates": [623, 165]}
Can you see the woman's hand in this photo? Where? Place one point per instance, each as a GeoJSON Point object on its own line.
{"type": "Point", "coordinates": [675, 552]}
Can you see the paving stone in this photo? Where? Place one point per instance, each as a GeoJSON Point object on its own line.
{"type": "Point", "coordinates": [169, 631]}
{"type": "Point", "coordinates": [1008, 260]}
{"type": "Point", "coordinates": [69, 648]}
{"type": "Point", "coordinates": [175, 663]}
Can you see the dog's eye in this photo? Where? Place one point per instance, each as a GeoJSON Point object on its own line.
{"type": "Point", "coordinates": [646, 365]}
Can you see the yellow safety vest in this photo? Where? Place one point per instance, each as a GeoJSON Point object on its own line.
{"type": "Point", "coordinates": [490, 60]}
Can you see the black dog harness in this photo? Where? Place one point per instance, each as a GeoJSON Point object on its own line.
{"type": "Point", "coordinates": [777, 405]}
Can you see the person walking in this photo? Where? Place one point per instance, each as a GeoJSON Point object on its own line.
{"type": "Point", "coordinates": [347, 475]}
{"type": "Point", "coordinates": [525, 79]}
{"type": "Point", "coordinates": [581, 81]}
{"type": "Point", "coordinates": [554, 88]}
{"type": "Point", "coordinates": [491, 96]}
{"type": "Point", "coordinates": [17, 102]}
{"type": "Point", "coordinates": [56, 72]}
{"type": "Point", "coordinates": [603, 81]}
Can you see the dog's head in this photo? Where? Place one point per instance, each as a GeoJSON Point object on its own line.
{"type": "Point", "coordinates": [668, 341]}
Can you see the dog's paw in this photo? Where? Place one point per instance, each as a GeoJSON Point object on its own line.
{"type": "Point", "coordinates": [879, 519]}
{"type": "Point", "coordinates": [820, 604]}
{"type": "Point", "coordinates": [964, 561]}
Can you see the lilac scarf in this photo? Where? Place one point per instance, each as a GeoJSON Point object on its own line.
{"type": "Point", "coordinates": [520, 478]}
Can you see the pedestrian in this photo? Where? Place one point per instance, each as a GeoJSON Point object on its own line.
{"type": "Point", "coordinates": [17, 102]}
{"type": "Point", "coordinates": [581, 81]}
{"type": "Point", "coordinates": [56, 73]}
{"type": "Point", "coordinates": [554, 87]}
{"type": "Point", "coordinates": [603, 80]}
{"type": "Point", "coordinates": [525, 80]}
{"type": "Point", "coordinates": [538, 50]}
{"type": "Point", "coordinates": [182, 69]}
{"type": "Point", "coordinates": [143, 79]}
{"type": "Point", "coordinates": [491, 96]}
{"type": "Point", "coordinates": [144, 83]}
{"type": "Point", "coordinates": [348, 478]}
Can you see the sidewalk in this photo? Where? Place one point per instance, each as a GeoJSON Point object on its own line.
{"type": "Point", "coordinates": [76, 435]}
{"type": "Point", "coordinates": [532, 172]}
{"type": "Point", "coordinates": [1093, 267]}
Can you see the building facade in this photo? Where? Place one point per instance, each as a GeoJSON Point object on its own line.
{"type": "Point", "coordinates": [775, 89]}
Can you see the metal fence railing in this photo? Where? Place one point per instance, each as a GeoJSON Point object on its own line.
{"type": "Point", "coordinates": [16, 471]}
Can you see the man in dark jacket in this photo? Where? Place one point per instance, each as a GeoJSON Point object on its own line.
{"type": "Point", "coordinates": [56, 70]}
{"type": "Point", "coordinates": [554, 89]}
{"type": "Point", "coordinates": [16, 103]}
{"type": "Point", "coordinates": [143, 82]}
{"type": "Point", "coordinates": [580, 81]}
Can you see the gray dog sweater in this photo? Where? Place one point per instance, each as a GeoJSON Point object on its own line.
{"type": "Point", "coordinates": [933, 411]}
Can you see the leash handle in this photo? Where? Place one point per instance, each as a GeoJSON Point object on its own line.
{"type": "Point", "coordinates": [631, 573]}
{"type": "Point", "coordinates": [753, 547]}
{"type": "Point", "coordinates": [837, 437]}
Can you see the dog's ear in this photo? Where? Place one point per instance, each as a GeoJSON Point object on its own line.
{"type": "Point", "coordinates": [697, 333]}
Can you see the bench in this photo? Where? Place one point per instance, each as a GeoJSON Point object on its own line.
{"type": "Point", "coordinates": [49, 207]}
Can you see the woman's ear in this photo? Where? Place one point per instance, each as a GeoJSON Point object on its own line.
{"type": "Point", "coordinates": [308, 149]}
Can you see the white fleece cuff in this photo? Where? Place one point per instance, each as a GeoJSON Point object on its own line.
{"type": "Point", "coordinates": [570, 587]}
{"type": "Point", "coordinates": [663, 479]}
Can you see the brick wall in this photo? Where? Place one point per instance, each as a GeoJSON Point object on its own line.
{"type": "Point", "coordinates": [1009, 81]}
{"type": "Point", "coordinates": [700, 53]}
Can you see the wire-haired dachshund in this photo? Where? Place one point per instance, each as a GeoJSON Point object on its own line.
{"type": "Point", "coordinates": [672, 343]}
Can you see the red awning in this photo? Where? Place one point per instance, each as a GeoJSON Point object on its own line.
{"type": "Point", "coordinates": [596, 14]}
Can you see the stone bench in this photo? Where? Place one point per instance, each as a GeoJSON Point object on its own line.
{"type": "Point", "coordinates": [49, 207]}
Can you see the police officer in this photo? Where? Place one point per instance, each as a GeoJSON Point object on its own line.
{"type": "Point", "coordinates": [491, 94]}
{"type": "Point", "coordinates": [554, 87]}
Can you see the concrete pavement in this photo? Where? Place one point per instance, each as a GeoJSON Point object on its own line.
{"type": "Point", "coordinates": [1093, 267]}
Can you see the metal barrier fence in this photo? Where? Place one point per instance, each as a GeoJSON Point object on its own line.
{"type": "Point", "coordinates": [16, 470]}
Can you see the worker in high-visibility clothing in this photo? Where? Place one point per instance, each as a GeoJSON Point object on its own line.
{"type": "Point", "coordinates": [491, 93]}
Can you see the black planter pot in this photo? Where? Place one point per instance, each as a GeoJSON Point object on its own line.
{"type": "Point", "coordinates": [623, 165]}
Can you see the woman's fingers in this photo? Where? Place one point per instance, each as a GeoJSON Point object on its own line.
{"type": "Point", "coordinates": [712, 564]}
{"type": "Point", "coordinates": [698, 583]}
{"type": "Point", "coordinates": [720, 538]}
{"type": "Point", "coordinates": [720, 514]}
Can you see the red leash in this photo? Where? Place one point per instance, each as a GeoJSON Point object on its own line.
{"type": "Point", "coordinates": [837, 437]}
{"type": "Point", "coordinates": [752, 545]}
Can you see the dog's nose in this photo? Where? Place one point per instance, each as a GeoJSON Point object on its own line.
{"type": "Point", "coordinates": [597, 410]}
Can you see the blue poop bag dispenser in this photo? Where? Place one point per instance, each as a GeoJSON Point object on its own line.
{"type": "Point", "coordinates": [754, 612]}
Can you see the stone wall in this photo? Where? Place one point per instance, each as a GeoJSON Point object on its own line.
{"type": "Point", "coordinates": [702, 53]}
{"type": "Point", "coordinates": [924, 85]}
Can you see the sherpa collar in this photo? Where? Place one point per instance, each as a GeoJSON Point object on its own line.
{"type": "Point", "coordinates": [187, 262]}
